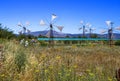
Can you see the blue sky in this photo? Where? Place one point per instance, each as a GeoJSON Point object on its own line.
{"type": "Point", "coordinates": [69, 12]}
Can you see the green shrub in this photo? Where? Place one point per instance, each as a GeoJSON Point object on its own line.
{"type": "Point", "coordinates": [117, 43]}
{"type": "Point", "coordinates": [66, 42]}
{"type": "Point", "coordinates": [20, 60]}
{"type": "Point", "coordinates": [43, 43]}
{"type": "Point", "coordinates": [6, 33]}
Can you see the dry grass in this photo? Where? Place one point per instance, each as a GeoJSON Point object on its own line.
{"type": "Point", "coordinates": [63, 63]}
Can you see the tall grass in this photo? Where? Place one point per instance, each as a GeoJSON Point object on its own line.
{"type": "Point", "coordinates": [63, 63]}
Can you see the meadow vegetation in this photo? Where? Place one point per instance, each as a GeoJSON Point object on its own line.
{"type": "Point", "coordinates": [61, 63]}
{"type": "Point", "coordinates": [39, 62]}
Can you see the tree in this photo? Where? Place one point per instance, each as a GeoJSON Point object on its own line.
{"type": "Point", "coordinates": [30, 36]}
{"type": "Point", "coordinates": [67, 36]}
{"type": "Point", "coordinates": [79, 36]}
{"type": "Point", "coordinates": [117, 43]}
{"type": "Point", "coordinates": [6, 33]}
{"type": "Point", "coordinates": [94, 36]}
{"type": "Point", "coordinates": [41, 36]}
{"type": "Point", "coordinates": [84, 37]}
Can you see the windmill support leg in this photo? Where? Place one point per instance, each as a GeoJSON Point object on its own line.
{"type": "Point", "coordinates": [110, 37]}
{"type": "Point", "coordinates": [51, 41]}
{"type": "Point", "coordinates": [110, 42]}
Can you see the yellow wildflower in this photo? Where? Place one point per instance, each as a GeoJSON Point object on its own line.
{"type": "Point", "coordinates": [59, 73]}
{"type": "Point", "coordinates": [36, 71]}
{"type": "Point", "coordinates": [70, 70]}
{"type": "Point", "coordinates": [51, 67]}
{"type": "Point", "coordinates": [46, 71]}
{"type": "Point", "coordinates": [49, 80]}
{"type": "Point", "coordinates": [58, 57]}
{"type": "Point", "coordinates": [88, 70]}
{"type": "Point", "coordinates": [75, 66]}
{"type": "Point", "coordinates": [109, 79]}
{"type": "Point", "coordinates": [43, 56]}
{"type": "Point", "coordinates": [91, 74]}
{"type": "Point", "coordinates": [67, 74]}
{"type": "Point", "coordinates": [2, 75]}
{"type": "Point", "coordinates": [74, 46]}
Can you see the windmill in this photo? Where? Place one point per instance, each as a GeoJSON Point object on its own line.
{"type": "Point", "coordinates": [110, 31]}
{"type": "Point", "coordinates": [91, 29]}
{"type": "Point", "coordinates": [83, 27]}
{"type": "Point", "coordinates": [24, 29]}
{"type": "Point", "coordinates": [51, 27]}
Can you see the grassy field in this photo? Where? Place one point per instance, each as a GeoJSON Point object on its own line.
{"type": "Point", "coordinates": [63, 63]}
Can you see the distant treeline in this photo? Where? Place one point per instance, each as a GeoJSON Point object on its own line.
{"type": "Point", "coordinates": [6, 33]}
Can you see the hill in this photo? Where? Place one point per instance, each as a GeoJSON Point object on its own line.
{"type": "Point", "coordinates": [61, 34]}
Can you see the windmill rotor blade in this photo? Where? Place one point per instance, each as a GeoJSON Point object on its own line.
{"type": "Point", "coordinates": [116, 31]}
{"type": "Point", "coordinates": [20, 24]}
{"type": "Point", "coordinates": [28, 31]}
{"type": "Point", "coordinates": [108, 23]}
{"type": "Point", "coordinates": [88, 25]}
{"type": "Point", "coordinates": [103, 31]}
{"type": "Point", "coordinates": [60, 28]}
{"type": "Point", "coordinates": [118, 28]}
{"type": "Point", "coordinates": [47, 28]}
{"type": "Point", "coordinates": [24, 28]}
{"type": "Point", "coordinates": [79, 28]}
{"type": "Point", "coordinates": [93, 28]}
{"type": "Point", "coordinates": [53, 17]}
{"type": "Point", "coordinates": [27, 23]}
{"type": "Point", "coordinates": [42, 23]}
{"type": "Point", "coordinates": [81, 22]}
{"type": "Point", "coordinates": [48, 34]}
{"type": "Point", "coordinates": [20, 32]}
{"type": "Point", "coordinates": [86, 30]}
